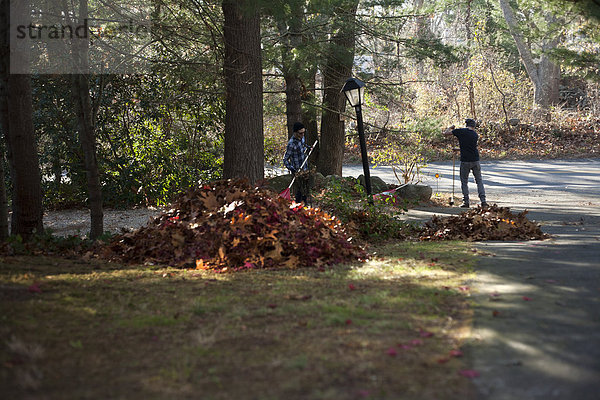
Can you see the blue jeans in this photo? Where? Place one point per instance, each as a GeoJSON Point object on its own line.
{"type": "Point", "coordinates": [465, 169]}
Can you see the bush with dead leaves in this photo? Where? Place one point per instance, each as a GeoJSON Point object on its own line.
{"type": "Point", "coordinates": [229, 226]}
{"type": "Point", "coordinates": [488, 223]}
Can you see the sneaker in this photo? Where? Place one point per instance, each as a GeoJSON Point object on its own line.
{"type": "Point", "coordinates": [484, 205]}
{"type": "Point", "coordinates": [464, 205]}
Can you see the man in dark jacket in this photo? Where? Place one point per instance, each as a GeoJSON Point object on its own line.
{"type": "Point", "coordinates": [469, 160]}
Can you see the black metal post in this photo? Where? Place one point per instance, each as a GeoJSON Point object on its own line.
{"type": "Point", "coordinates": [363, 151]}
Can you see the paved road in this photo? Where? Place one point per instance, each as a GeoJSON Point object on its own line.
{"type": "Point", "coordinates": [528, 182]}
{"type": "Point", "coordinates": [536, 324]}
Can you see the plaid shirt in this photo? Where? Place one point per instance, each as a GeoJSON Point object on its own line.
{"type": "Point", "coordinates": [294, 155]}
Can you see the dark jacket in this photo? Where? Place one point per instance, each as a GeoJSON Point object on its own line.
{"type": "Point", "coordinates": [467, 138]}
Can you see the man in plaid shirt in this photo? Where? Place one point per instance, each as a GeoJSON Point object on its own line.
{"type": "Point", "coordinates": [294, 157]}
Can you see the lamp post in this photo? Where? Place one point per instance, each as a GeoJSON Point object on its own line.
{"type": "Point", "coordinates": [354, 89]}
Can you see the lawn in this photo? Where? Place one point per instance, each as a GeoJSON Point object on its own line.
{"type": "Point", "coordinates": [389, 328]}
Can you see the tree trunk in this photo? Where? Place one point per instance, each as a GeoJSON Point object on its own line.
{"type": "Point", "coordinates": [549, 70]}
{"type": "Point", "coordinates": [545, 76]}
{"type": "Point", "coordinates": [309, 114]}
{"type": "Point", "coordinates": [86, 128]}
{"type": "Point", "coordinates": [469, 43]}
{"type": "Point", "coordinates": [3, 202]}
{"type": "Point", "coordinates": [87, 138]}
{"type": "Point", "coordinates": [4, 71]}
{"type": "Point", "coordinates": [337, 69]}
{"type": "Point", "coordinates": [293, 101]}
{"type": "Point", "coordinates": [422, 32]}
{"type": "Point", "coordinates": [244, 136]}
{"type": "Point", "coordinates": [17, 123]}
{"type": "Point", "coordinates": [291, 37]}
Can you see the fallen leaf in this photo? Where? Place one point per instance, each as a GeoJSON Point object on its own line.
{"type": "Point", "coordinates": [392, 352]}
{"type": "Point", "coordinates": [35, 288]}
{"type": "Point", "coordinates": [443, 360]}
{"type": "Point", "coordinates": [348, 322]}
{"type": "Point", "coordinates": [495, 313]}
{"type": "Point", "coordinates": [425, 334]}
{"type": "Point", "coordinates": [469, 373]}
{"type": "Point", "coordinates": [526, 298]}
{"type": "Point", "coordinates": [351, 287]}
{"type": "Point", "coordinates": [456, 353]}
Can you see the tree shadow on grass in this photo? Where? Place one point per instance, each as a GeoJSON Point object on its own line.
{"type": "Point", "coordinates": [297, 334]}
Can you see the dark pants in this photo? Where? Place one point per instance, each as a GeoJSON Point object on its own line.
{"type": "Point", "coordinates": [465, 169]}
{"type": "Point", "coordinates": [302, 186]}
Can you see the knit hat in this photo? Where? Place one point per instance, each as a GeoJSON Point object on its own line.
{"type": "Point", "coordinates": [298, 126]}
{"type": "Point", "coordinates": [470, 122]}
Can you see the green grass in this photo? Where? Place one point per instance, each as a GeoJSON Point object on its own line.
{"type": "Point", "coordinates": [108, 331]}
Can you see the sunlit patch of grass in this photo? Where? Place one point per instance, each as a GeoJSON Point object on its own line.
{"type": "Point", "coordinates": [169, 333]}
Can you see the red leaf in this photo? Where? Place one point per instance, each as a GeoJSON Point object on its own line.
{"type": "Point", "coordinates": [392, 352]}
{"type": "Point", "coordinates": [425, 333]}
{"type": "Point", "coordinates": [456, 353]}
{"type": "Point", "coordinates": [351, 287]}
{"type": "Point", "coordinates": [35, 288]}
{"type": "Point", "coordinates": [469, 373]}
{"type": "Point", "coordinates": [348, 322]}
{"type": "Point", "coordinates": [526, 298]}
{"type": "Point", "coordinates": [443, 360]}
{"type": "Point", "coordinates": [495, 313]}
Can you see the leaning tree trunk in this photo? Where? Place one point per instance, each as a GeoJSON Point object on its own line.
{"type": "Point", "coordinates": [544, 76]}
{"type": "Point", "coordinates": [244, 136]}
{"type": "Point", "coordinates": [17, 124]}
{"type": "Point", "coordinates": [337, 68]}
{"type": "Point", "coordinates": [86, 128]}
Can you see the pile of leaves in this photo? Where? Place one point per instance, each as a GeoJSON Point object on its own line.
{"type": "Point", "coordinates": [488, 223]}
{"type": "Point", "coordinates": [231, 226]}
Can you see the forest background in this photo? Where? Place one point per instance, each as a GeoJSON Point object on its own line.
{"type": "Point", "coordinates": [227, 79]}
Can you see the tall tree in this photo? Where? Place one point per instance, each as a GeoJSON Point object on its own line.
{"type": "Point", "coordinates": [244, 136]}
{"type": "Point", "coordinates": [86, 127]}
{"type": "Point", "coordinates": [545, 75]}
{"type": "Point", "coordinates": [290, 26]}
{"type": "Point", "coordinates": [468, 20]}
{"type": "Point", "coordinates": [337, 68]}
{"type": "Point", "coordinates": [17, 124]}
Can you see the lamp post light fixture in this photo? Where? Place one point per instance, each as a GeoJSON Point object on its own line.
{"type": "Point", "coordinates": [354, 89]}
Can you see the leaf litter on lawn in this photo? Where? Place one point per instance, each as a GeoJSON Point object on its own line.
{"type": "Point", "coordinates": [229, 225]}
{"type": "Point", "coordinates": [483, 223]}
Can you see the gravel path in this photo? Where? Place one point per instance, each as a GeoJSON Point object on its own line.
{"type": "Point", "coordinates": [77, 222]}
